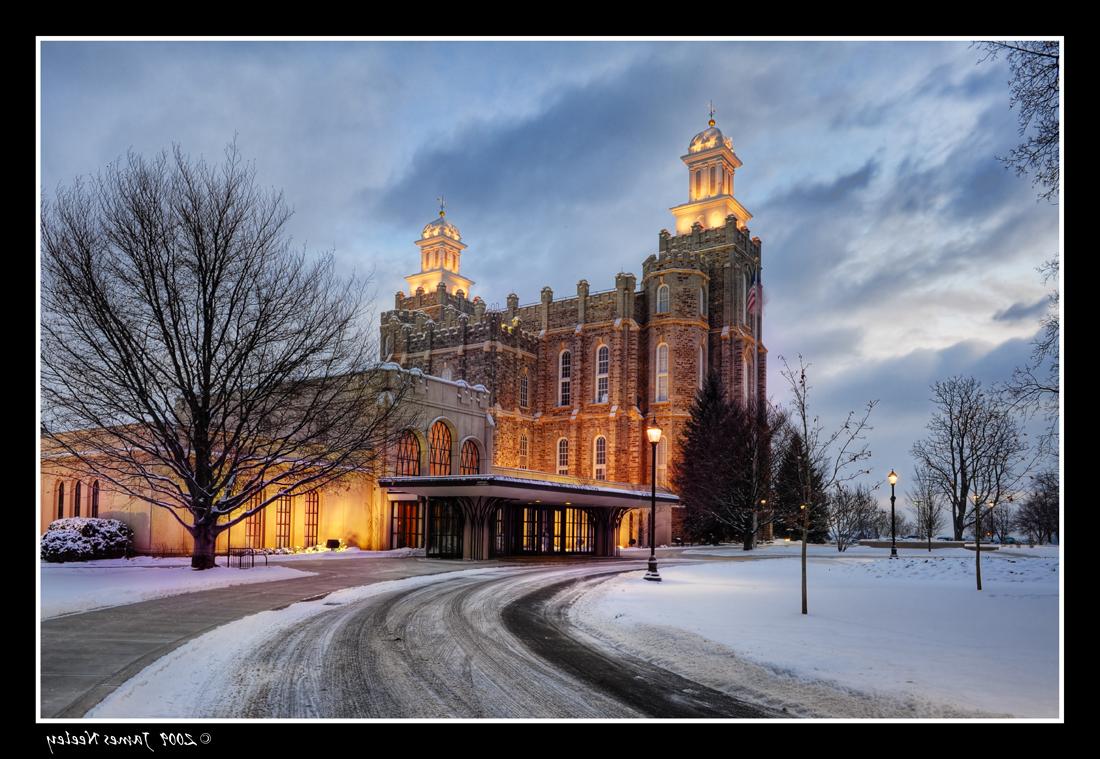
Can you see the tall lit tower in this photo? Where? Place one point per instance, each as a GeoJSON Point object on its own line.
{"type": "Point", "coordinates": [711, 163]}
{"type": "Point", "coordinates": [441, 249]}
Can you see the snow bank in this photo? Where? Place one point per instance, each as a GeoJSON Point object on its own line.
{"type": "Point", "coordinates": [72, 588]}
{"type": "Point", "coordinates": [907, 637]}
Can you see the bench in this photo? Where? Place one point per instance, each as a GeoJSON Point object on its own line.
{"type": "Point", "coordinates": [251, 553]}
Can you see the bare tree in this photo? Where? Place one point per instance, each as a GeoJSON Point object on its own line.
{"type": "Point", "coordinates": [974, 448]}
{"type": "Point", "coordinates": [1038, 516]}
{"type": "Point", "coordinates": [1035, 94]}
{"type": "Point", "coordinates": [850, 510]}
{"type": "Point", "coordinates": [194, 361]}
{"type": "Point", "coordinates": [832, 454]}
{"type": "Point", "coordinates": [928, 503]}
{"type": "Point", "coordinates": [1003, 519]}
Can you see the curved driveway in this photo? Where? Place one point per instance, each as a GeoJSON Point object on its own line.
{"type": "Point", "coordinates": [465, 646]}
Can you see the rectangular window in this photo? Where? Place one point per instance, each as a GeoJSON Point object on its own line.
{"type": "Point", "coordinates": [408, 525]}
{"type": "Point", "coordinates": [313, 518]}
{"type": "Point", "coordinates": [254, 525]}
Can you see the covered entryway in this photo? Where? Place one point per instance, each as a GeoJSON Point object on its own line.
{"type": "Point", "coordinates": [521, 513]}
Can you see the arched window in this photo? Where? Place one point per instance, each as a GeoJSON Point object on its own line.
{"type": "Point", "coordinates": [523, 389]}
{"type": "Point", "coordinates": [61, 500]}
{"type": "Point", "coordinates": [471, 459]}
{"type": "Point", "coordinates": [254, 525]}
{"type": "Point", "coordinates": [95, 499]}
{"type": "Point", "coordinates": [662, 299]}
{"type": "Point", "coordinates": [599, 457]}
{"type": "Point", "coordinates": [565, 369]}
{"type": "Point", "coordinates": [698, 182]}
{"type": "Point", "coordinates": [702, 301]}
{"type": "Point", "coordinates": [662, 372]}
{"type": "Point", "coordinates": [440, 445]}
{"type": "Point", "coordinates": [712, 185]}
{"type": "Point", "coordinates": [662, 462]}
{"type": "Point", "coordinates": [283, 517]}
{"type": "Point", "coordinates": [76, 499]}
{"type": "Point", "coordinates": [729, 176]}
{"type": "Point", "coordinates": [408, 455]}
{"type": "Point", "coordinates": [563, 456]}
{"type": "Point", "coordinates": [603, 359]}
{"type": "Point", "coordinates": [702, 367]}
{"type": "Point", "coordinates": [522, 451]}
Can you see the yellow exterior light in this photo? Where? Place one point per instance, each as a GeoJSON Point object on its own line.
{"type": "Point", "coordinates": [653, 432]}
{"type": "Point", "coordinates": [892, 477]}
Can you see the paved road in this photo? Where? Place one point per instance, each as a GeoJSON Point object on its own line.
{"type": "Point", "coordinates": [465, 646]}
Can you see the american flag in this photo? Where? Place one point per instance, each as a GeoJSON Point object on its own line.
{"type": "Point", "coordinates": [753, 294]}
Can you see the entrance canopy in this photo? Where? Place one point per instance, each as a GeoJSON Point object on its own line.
{"type": "Point", "coordinates": [530, 487]}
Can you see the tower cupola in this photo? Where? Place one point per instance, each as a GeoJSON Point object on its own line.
{"type": "Point", "coordinates": [711, 164]}
{"type": "Point", "coordinates": [441, 249]}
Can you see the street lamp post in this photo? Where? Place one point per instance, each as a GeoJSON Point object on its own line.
{"type": "Point", "coordinates": [893, 478]}
{"type": "Point", "coordinates": [653, 432]}
{"type": "Point", "coordinates": [978, 540]}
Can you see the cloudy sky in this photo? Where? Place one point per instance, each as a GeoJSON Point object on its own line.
{"type": "Point", "coordinates": [897, 249]}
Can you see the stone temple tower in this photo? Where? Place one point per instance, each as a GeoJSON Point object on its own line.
{"type": "Point", "coordinates": [441, 249]}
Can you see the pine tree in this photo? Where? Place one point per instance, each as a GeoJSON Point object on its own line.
{"type": "Point", "coordinates": [696, 478]}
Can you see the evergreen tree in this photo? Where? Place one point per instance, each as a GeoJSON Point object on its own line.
{"type": "Point", "coordinates": [696, 478]}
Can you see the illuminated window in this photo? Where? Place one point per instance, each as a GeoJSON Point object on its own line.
{"type": "Point", "coordinates": [471, 459]}
{"type": "Point", "coordinates": [61, 500]}
{"type": "Point", "coordinates": [662, 372]}
{"type": "Point", "coordinates": [440, 445]}
{"type": "Point", "coordinates": [729, 177]}
{"type": "Point", "coordinates": [702, 301]}
{"type": "Point", "coordinates": [662, 299]}
{"type": "Point", "coordinates": [662, 462]}
{"type": "Point", "coordinates": [603, 356]}
{"type": "Point", "coordinates": [523, 389]}
{"type": "Point", "coordinates": [76, 499]}
{"type": "Point", "coordinates": [522, 451]}
{"type": "Point", "coordinates": [407, 528]}
{"type": "Point", "coordinates": [563, 456]}
{"type": "Point", "coordinates": [254, 525]}
{"type": "Point", "coordinates": [408, 455]}
{"type": "Point", "coordinates": [712, 185]}
{"type": "Point", "coordinates": [313, 518]}
{"type": "Point", "coordinates": [95, 499]}
{"type": "Point", "coordinates": [282, 521]}
{"type": "Point", "coordinates": [698, 182]}
{"type": "Point", "coordinates": [600, 458]}
{"type": "Point", "coordinates": [565, 368]}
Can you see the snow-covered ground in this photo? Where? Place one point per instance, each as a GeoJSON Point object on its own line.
{"type": "Point", "coordinates": [906, 637]}
{"type": "Point", "coordinates": [187, 680]}
{"type": "Point", "coordinates": [82, 586]}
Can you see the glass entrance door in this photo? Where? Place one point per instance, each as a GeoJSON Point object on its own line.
{"type": "Point", "coordinates": [445, 524]}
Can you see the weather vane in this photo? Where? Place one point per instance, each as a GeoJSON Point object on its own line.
{"type": "Point", "coordinates": [710, 104]}
{"type": "Point", "coordinates": [442, 206]}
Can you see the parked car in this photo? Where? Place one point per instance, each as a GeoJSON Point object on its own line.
{"type": "Point", "coordinates": [944, 537]}
{"type": "Point", "coordinates": [912, 537]}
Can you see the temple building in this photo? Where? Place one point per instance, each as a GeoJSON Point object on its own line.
{"type": "Point", "coordinates": [533, 434]}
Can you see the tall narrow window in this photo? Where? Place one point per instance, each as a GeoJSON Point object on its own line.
{"type": "Point", "coordinates": [599, 456]}
{"type": "Point", "coordinates": [563, 456]}
{"type": "Point", "coordinates": [471, 458]}
{"type": "Point", "coordinates": [282, 521]}
{"type": "Point", "coordinates": [728, 177]}
{"type": "Point", "coordinates": [698, 182]}
{"type": "Point", "coordinates": [313, 518]}
{"type": "Point", "coordinates": [662, 462]}
{"type": "Point", "coordinates": [440, 450]}
{"type": "Point", "coordinates": [95, 499]}
{"type": "Point", "coordinates": [702, 367]}
{"type": "Point", "coordinates": [603, 359]}
{"type": "Point", "coordinates": [662, 299]}
{"type": "Point", "coordinates": [662, 372]}
{"type": "Point", "coordinates": [523, 389]}
{"type": "Point", "coordinates": [254, 525]}
{"type": "Point", "coordinates": [523, 452]}
{"type": "Point", "coordinates": [702, 301]}
{"type": "Point", "coordinates": [408, 455]}
{"type": "Point", "coordinates": [76, 499]}
{"type": "Point", "coordinates": [712, 185]}
{"type": "Point", "coordinates": [565, 370]}
{"type": "Point", "coordinates": [61, 500]}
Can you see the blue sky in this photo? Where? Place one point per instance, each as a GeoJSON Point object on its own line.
{"type": "Point", "coordinates": [897, 250]}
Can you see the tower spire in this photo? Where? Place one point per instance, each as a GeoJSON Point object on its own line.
{"type": "Point", "coordinates": [710, 104]}
{"type": "Point", "coordinates": [442, 206]}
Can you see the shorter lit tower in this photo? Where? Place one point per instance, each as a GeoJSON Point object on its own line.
{"type": "Point", "coordinates": [441, 249]}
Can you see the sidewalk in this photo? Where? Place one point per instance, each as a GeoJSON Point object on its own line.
{"type": "Point", "coordinates": [86, 656]}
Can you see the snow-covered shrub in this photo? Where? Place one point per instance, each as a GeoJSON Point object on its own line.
{"type": "Point", "coordinates": [83, 539]}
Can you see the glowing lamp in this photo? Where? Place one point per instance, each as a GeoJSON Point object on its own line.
{"type": "Point", "coordinates": [653, 432]}
{"type": "Point", "coordinates": [892, 477]}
